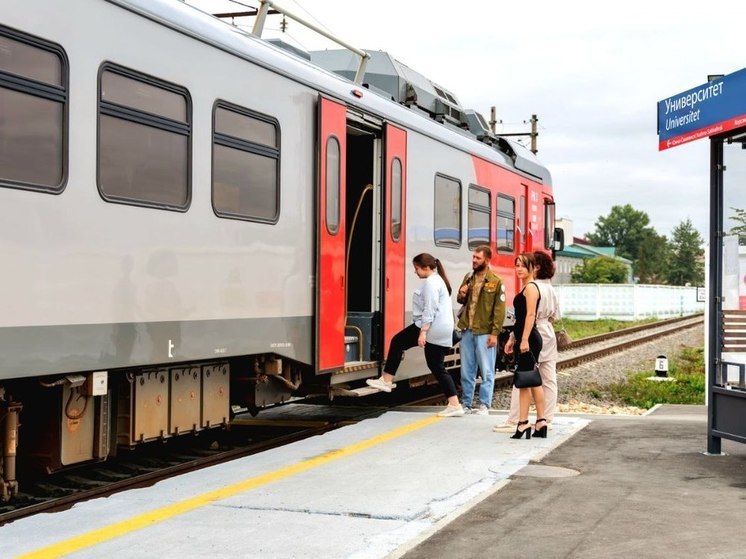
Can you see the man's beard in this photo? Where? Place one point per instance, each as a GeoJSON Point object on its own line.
{"type": "Point", "coordinates": [481, 268]}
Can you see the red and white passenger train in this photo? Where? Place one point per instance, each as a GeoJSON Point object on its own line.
{"type": "Point", "coordinates": [192, 217]}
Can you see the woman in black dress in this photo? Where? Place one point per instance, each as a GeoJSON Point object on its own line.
{"type": "Point", "coordinates": [525, 304]}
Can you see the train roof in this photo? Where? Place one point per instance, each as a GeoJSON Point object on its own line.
{"type": "Point", "coordinates": [435, 111]}
{"type": "Point", "coordinates": [390, 78]}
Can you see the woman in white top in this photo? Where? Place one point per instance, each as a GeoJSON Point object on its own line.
{"type": "Point", "coordinates": [431, 328]}
{"type": "Point", "coordinates": [547, 313]}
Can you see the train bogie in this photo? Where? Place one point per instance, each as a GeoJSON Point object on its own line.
{"type": "Point", "coordinates": [65, 423]}
{"type": "Point", "coordinates": [264, 380]}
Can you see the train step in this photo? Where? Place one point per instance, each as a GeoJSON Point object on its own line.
{"type": "Point", "coordinates": [351, 366]}
{"type": "Point", "coordinates": [354, 392]}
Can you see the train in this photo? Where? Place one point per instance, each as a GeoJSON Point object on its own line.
{"type": "Point", "coordinates": [196, 220]}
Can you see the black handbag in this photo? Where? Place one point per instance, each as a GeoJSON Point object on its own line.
{"type": "Point", "coordinates": [524, 377]}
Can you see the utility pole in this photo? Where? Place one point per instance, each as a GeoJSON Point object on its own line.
{"type": "Point", "coordinates": [534, 134]}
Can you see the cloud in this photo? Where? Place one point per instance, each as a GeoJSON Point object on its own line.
{"type": "Point", "coordinates": [592, 72]}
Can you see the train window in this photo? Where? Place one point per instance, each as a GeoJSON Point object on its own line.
{"type": "Point", "coordinates": [30, 61]}
{"type": "Point", "coordinates": [246, 164]}
{"type": "Point", "coordinates": [144, 140]}
{"type": "Point", "coordinates": [396, 201]}
{"type": "Point", "coordinates": [480, 212]}
{"type": "Point", "coordinates": [128, 92]}
{"type": "Point", "coordinates": [523, 220]}
{"type": "Point", "coordinates": [333, 171]}
{"type": "Point", "coordinates": [447, 231]}
{"type": "Point", "coordinates": [505, 224]}
{"type": "Point", "coordinates": [242, 124]}
{"type": "Point", "coordinates": [549, 224]}
{"type": "Point", "coordinates": [33, 127]}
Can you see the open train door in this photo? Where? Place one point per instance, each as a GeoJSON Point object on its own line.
{"type": "Point", "coordinates": [330, 236]}
{"type": "Point", "coordinates": [395, 188]}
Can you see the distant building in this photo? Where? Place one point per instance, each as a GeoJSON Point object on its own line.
{"type": "Point", "coordinates": [577, 250]}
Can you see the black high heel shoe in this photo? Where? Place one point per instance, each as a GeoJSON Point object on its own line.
{"type": "Point", "coordinates": [541, 433]}
{"type": "Point", "coordinates": [518, 433]}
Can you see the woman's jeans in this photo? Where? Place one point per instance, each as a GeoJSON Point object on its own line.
{"type": "Point", "coordinates": [475, 353]}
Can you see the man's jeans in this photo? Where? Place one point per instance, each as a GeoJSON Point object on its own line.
{"type": "Point", "coordinates": [474, 351]}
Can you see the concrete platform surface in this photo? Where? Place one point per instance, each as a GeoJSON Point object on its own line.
{"type": "Point", "coordinates": [408, 484]}
{"type": "Point", "coordinates": [644, 489]}
{"type": "Point", "coordinates": [367, 490]}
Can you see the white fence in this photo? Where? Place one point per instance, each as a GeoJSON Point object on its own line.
{"type": "Point", "coordinates": [626, 301]}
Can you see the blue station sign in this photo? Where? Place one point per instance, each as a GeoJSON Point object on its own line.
{"type": "Point", "coordinates": [712, 108]}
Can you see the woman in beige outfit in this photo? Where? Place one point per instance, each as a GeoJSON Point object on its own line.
{"type": "Point", "coordinates": [547, 313]}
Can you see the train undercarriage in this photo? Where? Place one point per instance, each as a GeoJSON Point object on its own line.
{"type": "Point", "coordinates": [54, 423]}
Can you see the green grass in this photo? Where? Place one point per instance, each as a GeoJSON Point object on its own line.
{"type": "Point", "coordinates": [585, 328]}
{"type": "Point", "coordinates": [687, 368]}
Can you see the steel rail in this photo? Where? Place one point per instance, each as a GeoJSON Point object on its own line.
{"type": "Point", "coordinates": [626, 344]}
{"type": "Point", "coordinates": [631, 330]}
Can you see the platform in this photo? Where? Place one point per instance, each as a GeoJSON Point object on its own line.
{"type": "Point", "coordinates": [645, 488]}
{"type": "Point", "coordinates": [364, 490]}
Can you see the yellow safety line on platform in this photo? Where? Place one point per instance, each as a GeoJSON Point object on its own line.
{"type": "Point", "coordinates": [164, 513]}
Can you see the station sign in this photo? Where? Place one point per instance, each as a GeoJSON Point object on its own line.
{"type": "Point", "coordinates": [701, 294]}
{"type": "Point", "coordinates": [712, 108]}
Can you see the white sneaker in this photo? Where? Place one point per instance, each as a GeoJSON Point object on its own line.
{"type": "Point", "coordinates": [452, 411]}
{"type": "Point", "coordinates": [380, 384]}
{"type": "Point", "coordinates": [481, 410]}
{"type": "Point", "coordinates": [505, 427]}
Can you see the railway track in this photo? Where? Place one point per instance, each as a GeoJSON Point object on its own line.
{"type": "Point", "coordinates": [246, 435]}
{"type": "Point", "coordinates": [602, 345]}
{"type": "Point", "coordinates": [592, 348]}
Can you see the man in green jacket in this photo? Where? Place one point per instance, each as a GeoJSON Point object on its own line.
{"type": "Point", "coordinates": [482, 295]}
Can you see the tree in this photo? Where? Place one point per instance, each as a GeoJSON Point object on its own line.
{"type": "Point", "coordinates": [624, 228]}
{"type": "Point", "coordinates": [600, 269]}
{"type": "Point", "coordinates": [652, 264]}
{"type": "Point", "coordinates": [686, 265]}
{"type": "Point", "coordinates": [739, 216]}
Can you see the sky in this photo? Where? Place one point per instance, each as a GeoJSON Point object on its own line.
{"type": "Point", "coordinates": [592, 71]}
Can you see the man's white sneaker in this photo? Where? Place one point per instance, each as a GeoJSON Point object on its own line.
{"type": "Point", "coordinates": [451, 411]}
{"type": "Point", "coordinates": [481, 410]}
{"type": "Point", "coordinates": [380, 384]}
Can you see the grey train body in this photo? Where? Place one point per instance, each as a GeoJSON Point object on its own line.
{"type": "Point", "coordinates": [109, 302]}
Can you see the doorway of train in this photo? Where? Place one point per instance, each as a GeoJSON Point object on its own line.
{"type": "Point", "coordinates": [375, 248]}
{"type": "Point", "coordinates": [363, 253]}
{"type": "Point", "coordinates": [361, 241]}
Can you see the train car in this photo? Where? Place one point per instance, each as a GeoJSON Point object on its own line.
{"type": "Point", "coordinates": [193, 218]}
